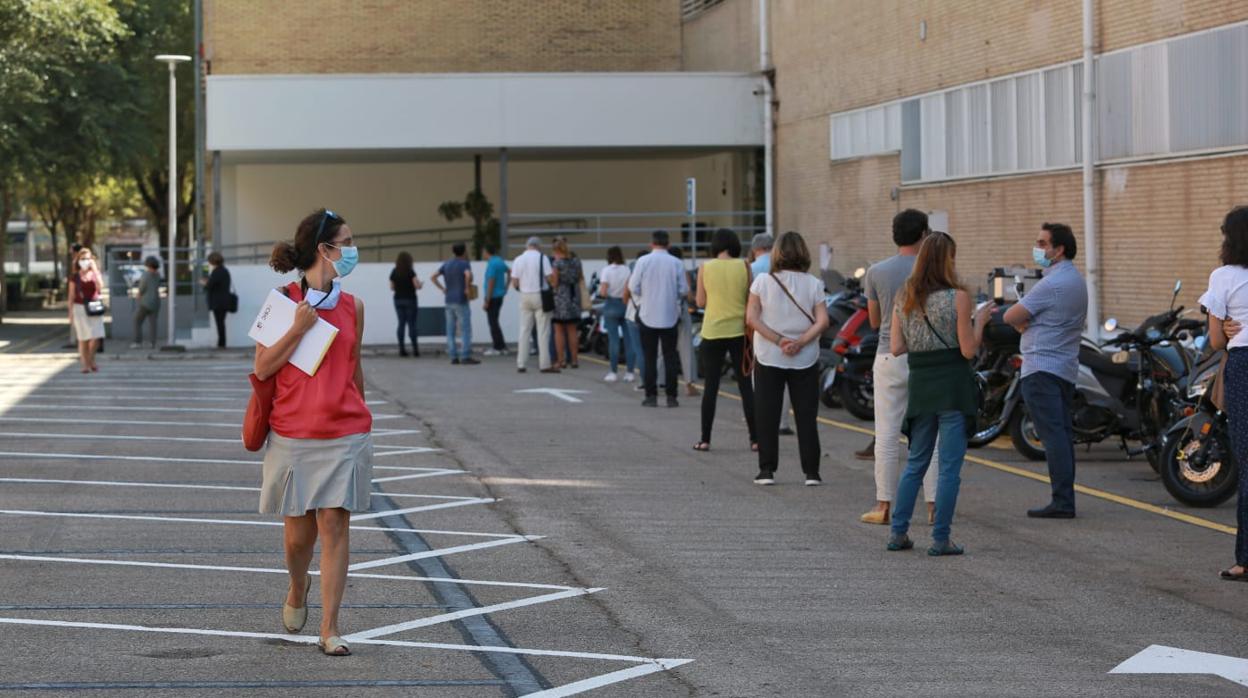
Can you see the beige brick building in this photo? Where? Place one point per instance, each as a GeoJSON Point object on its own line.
{"type": "Point", "coordinates": [1158, 207]}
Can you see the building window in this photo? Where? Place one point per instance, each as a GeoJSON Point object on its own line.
{"type": "Point", "coordinates": [1182, 95]}
{"type": "Point", "coordinates": [692, 8]}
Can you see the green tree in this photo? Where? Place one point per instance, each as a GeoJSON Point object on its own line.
{"type": "Point", "coordinates": [56, 115]}
{"type": "Point", "coordinates": [477, 207]}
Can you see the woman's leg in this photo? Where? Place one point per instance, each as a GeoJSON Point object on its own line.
{"type": "Point", "coordinates": [83, 356]}
{"type": "Point", "coordinates": [559, 348]}
{"type": "Point", "coordinates": [768, 401]}
{"type": "Point", "coordinates": [611, 323]}
{"type": "Point", "coordinates": [632, 350]}
{"type": "Point", "coordinates": [574, 341]}
{"type": "Point", "coordinates": [92, 347]}
{"type": "Point", "coordinates": [712, 351]}
{"type": "Point", "coordinates": [299, 541]}
{"type": "Point", "coordinates": [334, 527]}
{"type": "Point", "coordinates": [413, 332]}
{"type": "Point", "coordinates": [1236, 399]}
{"type": "Point", "coordinates": [736, 352]}
{"type": "Point", "coordinates": [922, 442]}
{"type": "Point", "coordinates": [804, 394]}
{"type": "Point", "coordinates": [952, 454]}
{"type": "Point", "coordinates": [400, 311]}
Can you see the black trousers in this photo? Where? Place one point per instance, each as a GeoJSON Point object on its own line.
{"type": "Point", "coordinates": [712, 355]}
{"type": "Point", "coordinates": [651, 337]}
{"type": "Point", "coordinates": [219, 315]}
{"type": "Point", "coordinates": [496, 330]}
{"type": "Point", "coordinates": [803, 385]}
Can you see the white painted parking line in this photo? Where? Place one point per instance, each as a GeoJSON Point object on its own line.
{"type": "Point", "coordinates": [147, 399]}
{"type": "Point", "coordinates": [394, 432]}
{"type": "Point", "coordinates": [400, 559]}
{"type": "Point", "coordinates": [44, 388]}
{"type": "Point", "coordinates": [467, 613]}
{"type": "Point", "coordinates": [120, 408]}
{"type": "Point", "coordinates": [183, 486]}
{"type": "Point", "coordinates": [119, 437]}
{"type": "Point", "coordinates": [650, 667]}
{"type": "Point", "coordinates": [279, 570]}
{"type": "Point", "coordinates": [404, 451]}
{"type": "Point", "coordinates": [127, 422]}
{"type": "Point", "coordinates": [396, 478]}
{"type": "Point", "coordinates": [236, 522]}
{"type": "Point", "coordinates": [427, 472]}
{"type": "Point", "coordinates": [430, 507]}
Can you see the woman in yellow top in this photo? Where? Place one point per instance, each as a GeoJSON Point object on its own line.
{"type": "Point", "coordinates": [723, 288]}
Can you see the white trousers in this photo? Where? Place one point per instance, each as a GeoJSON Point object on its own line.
{"type": "Point", "coordinates": [892, 391]}
{"type": "Point", "coordinates": [531, 312]}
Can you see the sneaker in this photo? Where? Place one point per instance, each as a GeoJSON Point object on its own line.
{"type": "Point", "coordinates": [672, 401]}
{"type": "Point", "coordinates": [454, 362]}
{"type": "Point", "coordinates": [491, 352]}
{"type": "Point", "coordinates": [813, 481]}
{"type": "Point", "coordinates": [136, 345]}
{"type": "Point", "coordinates": [765, 478]}
{"type": "Point", "coordinates": [629, 376]}
{"type": "Point", "coordinates": [611, 377]}
{"type": "Point", "coordinates": [470, 361]}
{"type": "Point", "coordinates": [522, 370]}
{"type": "Point", "coordinates": [650, 402]}
{"type": "Point", "coordinates": [786, 431]}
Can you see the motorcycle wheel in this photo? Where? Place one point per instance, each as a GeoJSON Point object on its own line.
{"type": "Point", "coordinates": [1154, 457]}
{"type": "Point", "coordinates": [856, 395]}
{"type": "Point", "coordinates": [1198, 470]}
{"type": "Point", "coordinates": [1023, 434]}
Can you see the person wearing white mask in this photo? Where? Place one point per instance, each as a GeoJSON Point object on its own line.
{"type": "Point", "coordinates": [86, 310]}
{"type": "Point", "coordinates": [318, 465]}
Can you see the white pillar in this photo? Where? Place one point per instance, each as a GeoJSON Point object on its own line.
{"type": "Point", "coordinates": [1091, 252]}
{"type": "Point", "coordinates": [171, 267]}
{"type": "Point", "coordinates": [764, 66]}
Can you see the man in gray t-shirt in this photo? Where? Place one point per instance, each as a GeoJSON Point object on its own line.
{"type": "Point", "coordinates": [891, 374]}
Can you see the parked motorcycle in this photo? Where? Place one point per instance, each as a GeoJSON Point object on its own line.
{"type": "Point", "coordinates": [848, 326]}
{"type": "Point", "coordinates": [1131, 387]}
{"type": "Point", "coordinates": [1197, 464]}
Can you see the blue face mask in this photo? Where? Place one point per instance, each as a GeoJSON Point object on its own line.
{"type": "Point", "coordinates": [344, 265]}
{"type": "Point", "coordinates": [324, 301]}
{"type": "Point", "coordinates": [1037, 255]}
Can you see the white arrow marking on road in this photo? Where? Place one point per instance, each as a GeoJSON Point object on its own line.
{"type": "Point", "coordinates": [1159, 659]}
{"type": "Point", "coordinates": [561, 393]}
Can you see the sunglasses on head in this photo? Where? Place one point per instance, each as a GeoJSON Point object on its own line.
{"type": "Point", "coordinates": [327, 216]}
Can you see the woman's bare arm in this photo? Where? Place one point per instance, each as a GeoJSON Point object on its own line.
{"type": "Point", "coordinates": [359, 344]}
{"type": "Point", "coordinates": [897, 338]}
{"type": "Point", "coordinates": [701, 296]}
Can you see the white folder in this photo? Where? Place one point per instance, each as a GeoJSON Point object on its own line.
{"type": "Point", "coordinates": [276, 317]}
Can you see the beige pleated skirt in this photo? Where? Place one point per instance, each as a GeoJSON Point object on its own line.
{"type": "Point", "coordinates": [302, 475]}
{"type": "Point", "coordinates": [87, 326]}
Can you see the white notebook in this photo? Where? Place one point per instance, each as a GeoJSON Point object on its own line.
{"type": "Point", "coordinates": [275, 318]}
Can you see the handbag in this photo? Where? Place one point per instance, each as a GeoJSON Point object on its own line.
{"type": "Point", "coordinates": [259, 408]}
{"type": "Point", "coordinates": [586, 301]}
{"type": "Point", "coordinates": [548, 293]}
{"type": "Point", "coordinates": [96, 308]}
{"type": "Point", "coordinates": [231, 303]}
{"type": "Point", "coordinates": [470, 292]}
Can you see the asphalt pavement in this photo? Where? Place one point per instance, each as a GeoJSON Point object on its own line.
{"type": "Point", "coordinates": [542, 532]}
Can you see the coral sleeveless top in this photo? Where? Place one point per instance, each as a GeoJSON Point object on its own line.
{"type": "Point", "coordinates": [327, 405]}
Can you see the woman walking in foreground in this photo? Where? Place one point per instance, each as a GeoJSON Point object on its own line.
{"type": "Point", "coordinates": [318, 465]}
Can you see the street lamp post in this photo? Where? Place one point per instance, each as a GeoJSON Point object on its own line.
{"type": "Point", "coordinates": [172, 225]}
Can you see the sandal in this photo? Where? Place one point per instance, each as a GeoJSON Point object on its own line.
{"type": "Point", "coordinates": [702, 446]}
{"type": "Point", "coordinates": [1229, 576]}
{"type": "Point", "coordinates": [293, 619]}
{"type": "Point", "coordinates": [334, 646]}
{"type": "Point", "coordinates": [901, 542]}
{"type": "Point", "coordinates": [944, 547]}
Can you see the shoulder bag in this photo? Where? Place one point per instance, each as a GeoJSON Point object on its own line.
{"type": "Point", "coordinates": [95, 307]}
{"type": "Point", "coordinates": [548, 293]}
{"type": "Point", "coordinates": [259, 408]}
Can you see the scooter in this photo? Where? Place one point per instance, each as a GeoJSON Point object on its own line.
{"type": "Point", "coordinates": [1197, 464]}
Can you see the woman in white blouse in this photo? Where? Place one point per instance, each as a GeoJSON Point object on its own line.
{"type": "Point", "coordinates": [613, 282]}
{"type": "Point", "coordinates": [1227, 303]}
{"type": "Point", "coordinates": [787, 314]}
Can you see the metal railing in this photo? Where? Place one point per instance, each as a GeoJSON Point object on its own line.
{"type": "Point", "coordinates": [424, 243]}
{"type": "Point", "coordinates": [631, 231]}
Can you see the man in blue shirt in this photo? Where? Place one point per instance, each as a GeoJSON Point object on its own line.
{"type": "Point", "coordinates": [458, 275]}
{"type": "Point", "coordinates": [497, 279]}
{"type": "Point", "coordinates": [1051, 318]}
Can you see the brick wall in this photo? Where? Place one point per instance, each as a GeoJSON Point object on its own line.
{"type": "Point", "coordinates": [406, 36]}
{"type": "Point", "coordinates": [725, 37]}
{"type": "Point", "coordinates": [1158, 222]}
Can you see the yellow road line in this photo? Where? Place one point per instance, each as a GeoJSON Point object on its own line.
{"type": "Point", "coordinates": [1038, 477]}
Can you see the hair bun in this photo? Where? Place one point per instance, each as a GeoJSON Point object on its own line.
{"type": "Point", "coordinates": [283, 259]}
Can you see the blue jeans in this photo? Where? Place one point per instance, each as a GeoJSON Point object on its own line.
{"type": "Point", "coordinates": [632, 336]}
{"type": "Point", "coordinates": [457, 314]}
{"type": "Point", "coordinates": [1236, 382]}
{"type": "Point", "coordinates": [613, 319]}
{"type": "Point", "coordinates": [406, 309]}
{"type": "Point", "coordinates": [951, 426]}
{"type": "Point", "coordinates": [1049, 400]}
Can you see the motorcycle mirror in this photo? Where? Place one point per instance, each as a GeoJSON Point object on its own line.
{"type": "Point", "coordinates": [860, 272]}
{"type": "Point", "coordinates": [1111, 324]}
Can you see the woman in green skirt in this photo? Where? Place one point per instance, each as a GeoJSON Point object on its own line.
{"type": "Point", "coordinates": [935, 323]}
